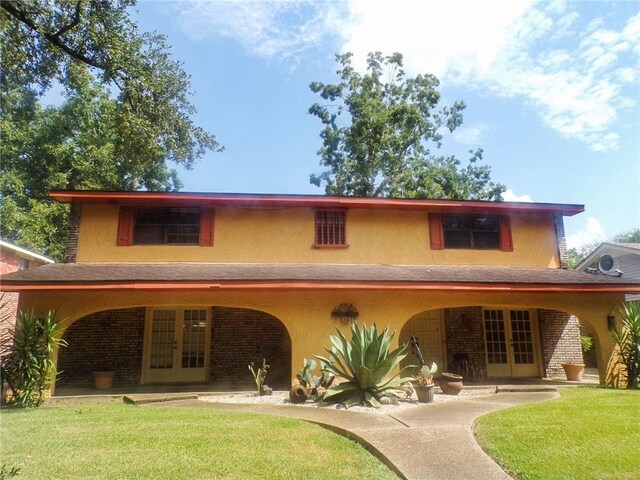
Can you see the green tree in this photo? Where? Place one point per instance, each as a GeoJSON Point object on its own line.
{"type": "Point", "coordinates": [380, 130]}
{"type": "Point", "coordinates": [125, 119]}
{"type": "Point", "coordinates": [630, 236]}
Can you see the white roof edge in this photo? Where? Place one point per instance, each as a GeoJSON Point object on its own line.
{"type": "Point", "coordinates": [23, 252]}
{"type": "Point", "coordinates": [606, 246]}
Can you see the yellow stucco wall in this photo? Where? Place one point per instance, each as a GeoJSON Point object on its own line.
{"type": "Point", "coordinates": [287, 235]}
{"type": "Point", "coordinates": [307, 315]}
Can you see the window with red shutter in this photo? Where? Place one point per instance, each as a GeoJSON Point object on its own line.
{"type": "Point", "coordinates": [476, 232]}
{"type": "Point", "coordinates": [125, 226]}
{"type": "Point", "coordinates": [330, 228]}
{"type": "Point", "coordinates": [165, 226]}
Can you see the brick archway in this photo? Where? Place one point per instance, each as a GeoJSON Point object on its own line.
{"type": "Point", "coordinates": [240, 336]}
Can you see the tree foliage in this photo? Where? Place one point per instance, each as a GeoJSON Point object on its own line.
{"type": "Point", "coordinates": [380, 132]}
{"type": "Point", "coordinates": [126, 114]}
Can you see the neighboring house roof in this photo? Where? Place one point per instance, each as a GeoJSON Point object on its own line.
{"type": "Point", "coordinates": [24, 253]}
{"type": "Point", "coordinates": [176, 275]}
{"type": "Point", "coordinates": [317, 201]}
{"type": "Point", "coordinates": [609, 248]}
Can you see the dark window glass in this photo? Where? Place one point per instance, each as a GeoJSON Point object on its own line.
{"type": "Point", "coordinates": [167, 225]}
{"type": "Point", "coordinates": [471, 231]}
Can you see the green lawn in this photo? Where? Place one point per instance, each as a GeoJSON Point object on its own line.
{"type": "Point", "coordinates": [589, 433]}
{"type": "Point", "coordinates": [117, 441]}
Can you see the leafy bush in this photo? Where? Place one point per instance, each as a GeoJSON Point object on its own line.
{"type": "Point", "coordinates": [368, 368]}
{"type": "Point", "coordinates": [627, 339]}
{"type": "Point", "coordinates": [27, 366]}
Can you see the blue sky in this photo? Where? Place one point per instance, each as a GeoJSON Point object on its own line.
{"type": "Point", "coordinates": [552, 90]}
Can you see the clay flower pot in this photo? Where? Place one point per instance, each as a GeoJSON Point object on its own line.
{"type": "Point", "coordinates": [103, 380]}
{"type": "Point", "coordinates": [450, 383]}
{"type": "Point", "coordinates": [573, 371]}
{"type": "Point", "coordinates": [424, 393]}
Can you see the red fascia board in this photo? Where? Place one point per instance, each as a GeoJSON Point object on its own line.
{"type": "Point", "coordinates": [313, 201]}
{"type": "Point", "coordinates": [320, 285]}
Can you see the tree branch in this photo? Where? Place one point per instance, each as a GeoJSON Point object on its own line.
{"type": "Point", "coordinates": [74, 22]}
{"type": "Point", "coordinates": [54, 38]}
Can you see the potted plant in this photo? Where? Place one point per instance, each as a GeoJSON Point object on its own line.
{"type": "Point", "coordinates": [423, 383]}
{"type": "Point", "coordinates": [573, 371]}
{"type": "Point", "coordinates": [450, 383]}
{"type": "Point", "coordinates": [103, 379]}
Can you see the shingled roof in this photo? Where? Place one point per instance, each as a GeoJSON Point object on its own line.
{"type": "Point", "coordinates": [309, 276]}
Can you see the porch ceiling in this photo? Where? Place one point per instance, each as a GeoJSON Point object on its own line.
{"type": "Point", "coordinates": [183, 275]}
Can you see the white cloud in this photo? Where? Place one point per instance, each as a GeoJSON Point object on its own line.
{"type": "Point", "coordinates": [265, 28]}
{"type": "Point", "coordinates": [510, 196]}
{"type": "Point", "coordinates": [593, 232]}
{"type": "Point", "coordinates": [574, 68]}
{"type": "Point", "coordinates": [469, 135]}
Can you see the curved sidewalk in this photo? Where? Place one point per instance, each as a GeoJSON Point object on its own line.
{"type": "Point", "coordinates": [430, 442]}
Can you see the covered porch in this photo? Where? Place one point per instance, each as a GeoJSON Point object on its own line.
{"type": "Point", "coordinates": [209, 321]}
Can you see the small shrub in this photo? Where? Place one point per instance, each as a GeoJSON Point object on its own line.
{"type": "Point", "coordinates": [368, 367]}
{"type": "Point", "coordinates": [627, 339]}
{"type": "Point", "coordinates": [27, 367]}
{"type": "Point", "coordinates": [425, 375]}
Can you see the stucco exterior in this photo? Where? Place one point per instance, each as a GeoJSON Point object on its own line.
{"type": "Point", "coordinates": [267, 231]}
{"type": "Point", "coordinates": [286, 236]}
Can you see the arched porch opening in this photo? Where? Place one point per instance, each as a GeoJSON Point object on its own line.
{"type": "Point", "coordinates": [173, 345]}
{"type": "Point", "coordinates": [241, 336]}
{"type": "Point", "coordinates": [494, 341]}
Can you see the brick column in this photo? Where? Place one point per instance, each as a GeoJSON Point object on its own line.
{"type": "Point", "coordinates": [560, 338]}
{"type": "Point", "coordinates": [71, 243]}
{"type": "Point", "coordinates": [562, 241]}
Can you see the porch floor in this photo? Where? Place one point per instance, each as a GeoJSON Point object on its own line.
{"type": "Point", "coordinates": [193, 390]}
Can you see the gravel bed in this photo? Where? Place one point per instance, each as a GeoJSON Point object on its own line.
{"type": "Point", "coordinates": [281, 398]}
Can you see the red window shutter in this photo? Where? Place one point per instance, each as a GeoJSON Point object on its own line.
{"type": "Point", "coordinates": [125, 226]}
{"type": "Point", "coordinates": [436, 235]}
{"type": "Point", "coordinates": [206, 227]}
{"type": "Point", "coordinates": [504, 230]}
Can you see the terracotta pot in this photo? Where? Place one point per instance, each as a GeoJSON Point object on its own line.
{"type": "Point", "coordinates": [298, 393]}
{"type": "Point", "coordinates": [103, 380]}
{"type": "Point", "coordinates": [573, 371]}
{"type": "Point", "coordinates": [424, 393]}
{"type": "Point", "coordinates": [450, 383]}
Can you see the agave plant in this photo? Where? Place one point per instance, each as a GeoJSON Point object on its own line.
{"type": "Point", "coordinates": [368, 367]}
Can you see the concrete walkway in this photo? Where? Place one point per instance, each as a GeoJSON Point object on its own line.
{"type": "Point", "coordinates": [433, 442]}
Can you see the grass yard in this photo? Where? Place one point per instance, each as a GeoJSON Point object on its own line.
{"type": "Point", "coordinates": [117, 441]}
{"type": "Point", "coordinates": [589, 433]}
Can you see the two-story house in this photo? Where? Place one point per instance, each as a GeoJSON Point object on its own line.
{"type": "Point", "coordinates": [191, 287]}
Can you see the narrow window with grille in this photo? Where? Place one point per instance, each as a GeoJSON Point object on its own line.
{"type": "Point", "coordinates": [331, 228]}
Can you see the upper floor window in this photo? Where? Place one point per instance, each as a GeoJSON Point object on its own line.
{"type": "Point", "coordinates": [24, 264]}
{"type": "Point", "coordinates": [466, 231]}
{"type": "Point", "coordinates": [471, 231]}
{"type": "Point", "coordinates": [331, 228]}
{"type": "Point", "coordinates": [166, 225]}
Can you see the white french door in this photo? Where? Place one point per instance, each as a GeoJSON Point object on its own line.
{"type": "Point", "coordinates": [510, 344]}
{"type": "Point", "coordinates": [177, 345]}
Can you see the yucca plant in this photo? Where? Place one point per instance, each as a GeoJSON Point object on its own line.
{"type": "Point", "coordinates": [27, 367]}
{"type": "Point", "coordinates": [369, 369]}
{"type": "Point", "coordinates": [627, 339]}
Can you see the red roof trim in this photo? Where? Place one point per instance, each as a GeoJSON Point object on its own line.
{"type": "Point", "coordinates": [314, 201]}
{"type": "Point", "coordinates": [320, 285]}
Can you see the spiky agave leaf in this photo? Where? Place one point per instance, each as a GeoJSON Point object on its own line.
{"type": "Point", "coordinates": [366, 364]}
